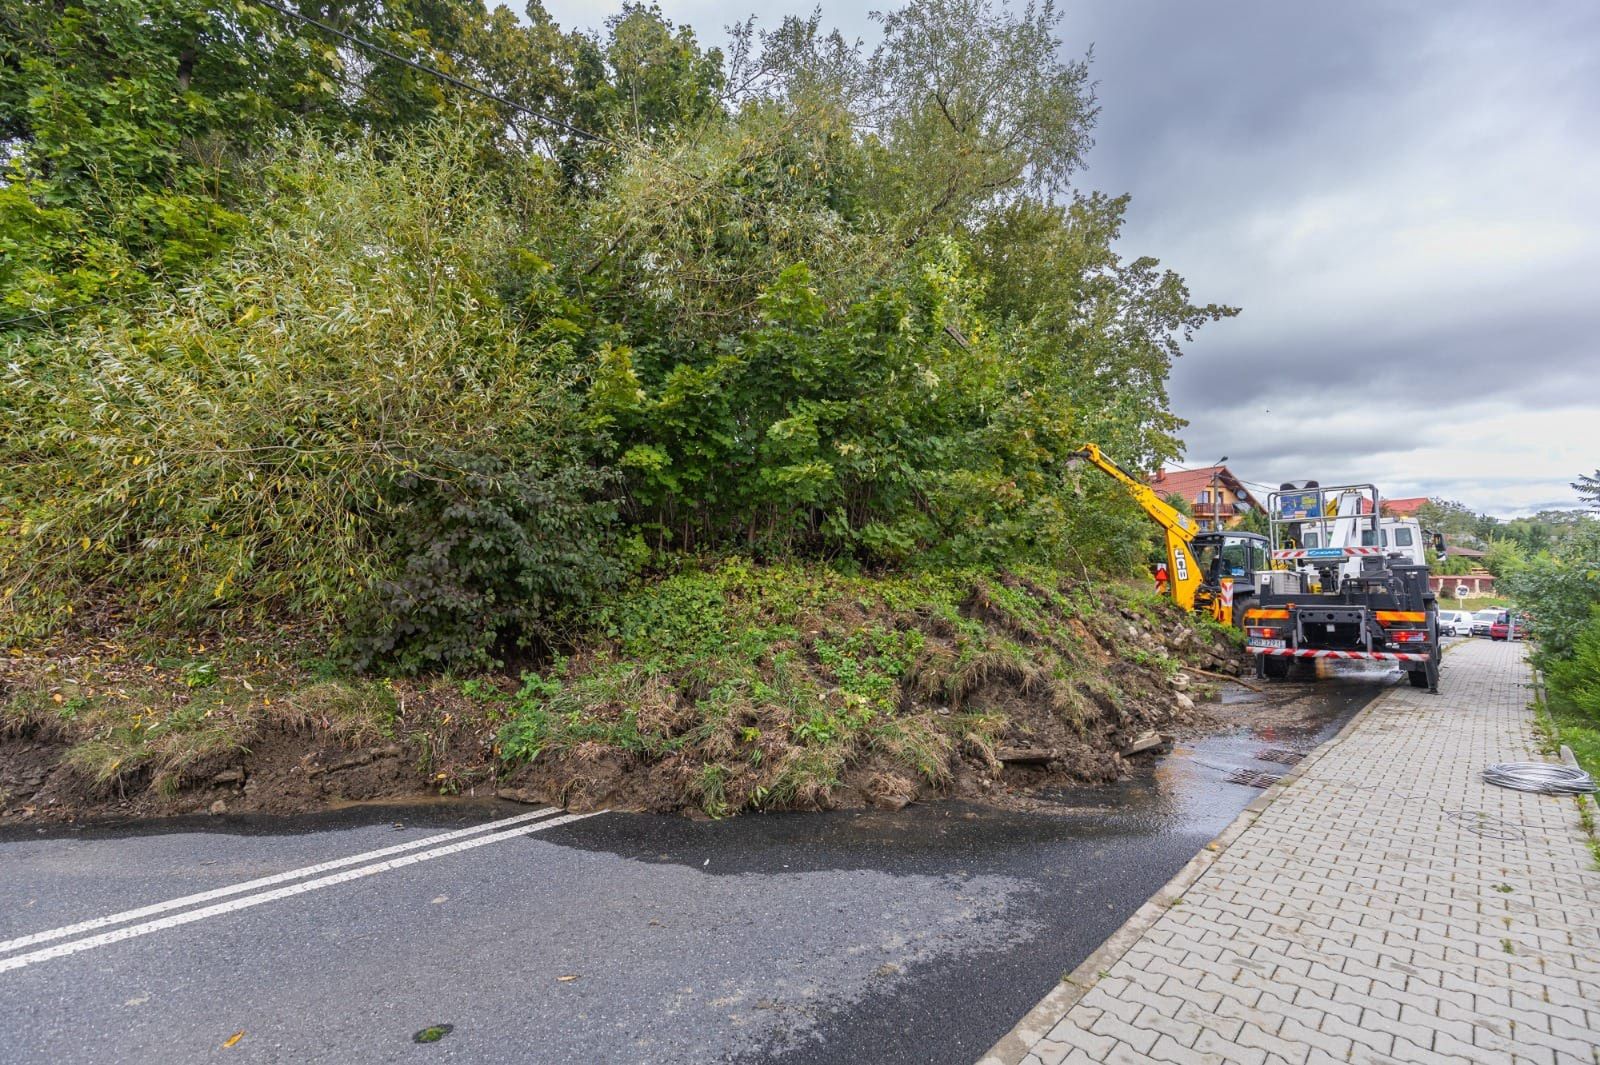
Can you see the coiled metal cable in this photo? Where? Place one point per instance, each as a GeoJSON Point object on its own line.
{"type": "Point", "coordinates": [1541, 777]}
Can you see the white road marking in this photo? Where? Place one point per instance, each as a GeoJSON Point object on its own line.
{"type": "Point", "coordinates": [265, 881]}
{"type": "Point", "coordinates": [117, 935]}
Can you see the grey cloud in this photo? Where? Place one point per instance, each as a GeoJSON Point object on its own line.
{"type": "Point", "coordinates": [1521, 358]}
{"type": "Point", "coordinates": [1443, 160]}
{"type": "Point", "coordinates": [1187, 86]}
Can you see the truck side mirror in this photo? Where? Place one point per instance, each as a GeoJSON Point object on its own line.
{"type": "Point", "coordinates": [1438, 544]}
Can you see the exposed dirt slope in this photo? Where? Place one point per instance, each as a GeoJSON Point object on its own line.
{"type": "Point", "coordinates": [781, 690]}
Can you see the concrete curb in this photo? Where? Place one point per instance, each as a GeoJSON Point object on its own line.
{"type": "Point", "coordinates": [1037, 1023]}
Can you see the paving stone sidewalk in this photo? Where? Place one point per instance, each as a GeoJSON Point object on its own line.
{"type": "Point", "coordinates": [1385, 905]}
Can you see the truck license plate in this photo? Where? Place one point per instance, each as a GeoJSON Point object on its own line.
{"type": "Point", "coordinates": [1257, 642]}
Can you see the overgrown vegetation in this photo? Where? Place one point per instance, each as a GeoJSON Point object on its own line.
{"type": "Point", "coordinates": [719, 688]}
{"type": "Point", "coordinates": [340, 420]}
{"type": "Point", "coordinates": [629, 383]}
{"type": "Point", "coordinates": [432, 384]}
{"type": "Point", "coordinates": [1560, 590]}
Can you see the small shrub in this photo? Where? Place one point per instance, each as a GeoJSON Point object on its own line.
{"type": "Point", "coordinates": [488, 558]}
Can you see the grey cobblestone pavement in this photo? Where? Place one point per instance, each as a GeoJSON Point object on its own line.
{"type": "Point", "coordinates": [1385, 905]}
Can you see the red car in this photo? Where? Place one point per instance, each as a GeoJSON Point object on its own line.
{"type": "Point", "coordinates": [1501, 628]}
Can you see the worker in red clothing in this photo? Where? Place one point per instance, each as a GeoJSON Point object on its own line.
{"type": "Point", "coordinates": [1161, 577]}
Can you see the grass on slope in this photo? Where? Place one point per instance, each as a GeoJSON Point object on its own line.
{"type": "Point", "coordinates": [741, 687]}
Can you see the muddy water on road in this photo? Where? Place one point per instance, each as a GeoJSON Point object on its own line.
{"type": "Point", "coordinates": [1089, 858]}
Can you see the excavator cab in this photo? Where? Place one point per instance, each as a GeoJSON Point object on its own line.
{"type": "Point", "coordinates": [1228, 563]}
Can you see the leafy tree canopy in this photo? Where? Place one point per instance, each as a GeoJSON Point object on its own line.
{"type": "Point", "coordinates": [796, 297]}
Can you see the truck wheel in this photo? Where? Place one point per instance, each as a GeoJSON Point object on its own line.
{"type": "Point", "coordinates": [1274, 668]}
{"type": "Point", "coordinates": [1418, 677]}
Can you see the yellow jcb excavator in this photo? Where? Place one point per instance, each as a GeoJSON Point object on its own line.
{"type": "Point", "coordinates": [1207, 572]}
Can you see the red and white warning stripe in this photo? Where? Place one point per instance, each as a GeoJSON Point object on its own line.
{"type": "Point", "coordinates": [1324, 552]}
{"type": "Point", "coordinates": [1305, 652]}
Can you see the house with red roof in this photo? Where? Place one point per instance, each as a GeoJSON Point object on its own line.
{"type": "Point", "coordinates": [1403, 508]}
{"type": "Point", "coordinates": [1213, 492]}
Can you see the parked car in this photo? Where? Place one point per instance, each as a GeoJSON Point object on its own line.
{"type": "Point", "coordinates": [1483, 619]}
{"type": "Point", "coordinates": [1502, 629]}
{"type": "Point", "coordinates": [1455, 623]}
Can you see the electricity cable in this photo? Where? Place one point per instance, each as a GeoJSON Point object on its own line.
{"type": "Point", "coordinates": [52, 312]}
{"type": "Point", "coordinates": [361, 42]}
{"type": "Point", "coordinates": [1540, 777]}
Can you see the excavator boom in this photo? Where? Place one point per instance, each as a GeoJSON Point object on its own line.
{"type": "Point", "coordinates": [1212, 572]}
{"type": "Point", "coordinates": [1182, 573]}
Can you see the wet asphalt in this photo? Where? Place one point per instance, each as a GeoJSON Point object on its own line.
{"type": "Point", "coordinates": [920, 935]}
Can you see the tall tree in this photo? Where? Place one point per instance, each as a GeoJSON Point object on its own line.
{"type": "Point", "coordinates": [1588, 489]}
{"type": "Point", "coordinates": [135, 129]}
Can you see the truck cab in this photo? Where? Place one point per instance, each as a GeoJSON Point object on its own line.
{"type": "Point", "coordinates": [1347, 583]}
{"type": "Point", "coordinates": [1397, 536]}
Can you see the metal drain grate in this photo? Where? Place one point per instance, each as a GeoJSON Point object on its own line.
{"type": "Point", "coordinates": [1279, 755]}
{"type": "Point", "coordinates": [1253, 777]}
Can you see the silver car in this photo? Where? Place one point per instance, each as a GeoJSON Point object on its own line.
{"type": "Point", "coordinates": [1483, 619]}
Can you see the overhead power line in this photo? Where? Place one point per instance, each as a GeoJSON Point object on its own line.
{"type": "Point", "coordinates": [52, 312]}
{"type": "Point", "coordinates": [371, 46]}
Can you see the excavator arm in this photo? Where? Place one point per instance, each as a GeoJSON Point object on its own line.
{"type": "Point", "coordinates": [1183, 575]}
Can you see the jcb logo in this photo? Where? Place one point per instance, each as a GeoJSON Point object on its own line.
{"type": "Point", "coordinates": [1180, 563]}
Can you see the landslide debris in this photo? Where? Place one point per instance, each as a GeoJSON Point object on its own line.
{"type": "Point", "coordinates": [711, 691]}
{"type": "Point", "coordinates": [769, 688]}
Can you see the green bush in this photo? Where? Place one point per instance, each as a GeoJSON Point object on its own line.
{"type": "Point", "coordinates": [1575, 680]}
{"type": "Point", "coordinates": [343, 418]}
{"type": "Point", "coordinates": [1559, 591]}
{"type": "Point", "coordinates": [489, 559]}
{"type": "Point", "coordinates": [431, 389]}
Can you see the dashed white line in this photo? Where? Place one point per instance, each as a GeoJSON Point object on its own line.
{"type": "Point", "coordinates": [266, 881]}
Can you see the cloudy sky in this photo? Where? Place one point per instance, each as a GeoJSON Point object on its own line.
{"type": "Point", "coordinates": [1404, 198]}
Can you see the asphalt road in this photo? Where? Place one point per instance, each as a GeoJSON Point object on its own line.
{"type": "Point", "coordinates": [916, 936]}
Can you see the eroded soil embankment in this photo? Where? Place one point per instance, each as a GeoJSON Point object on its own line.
{"type": "Point", "coordinates": [1010, 686]}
